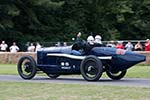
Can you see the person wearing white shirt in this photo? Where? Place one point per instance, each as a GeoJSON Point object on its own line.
{"type": "Point", "coordinates": [3, 46]}
{"type": "Point", "coordinates": [129, 46]}
{"type": "Point", "coordinates": [38, 46]}
{"type": "Point", "coordinates": [14, 48]}
{"type": "Point", "coordinates": [31, 48]}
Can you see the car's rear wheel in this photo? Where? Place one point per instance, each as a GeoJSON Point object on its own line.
{"type": "Point", "coordinates": [116, 76]}
{"type": "Point", "coordinates": [91, 68]}
{"type": "Point", "coordinates": [53, 76]}
{"type": "Point", "coordinates": [27, 67]}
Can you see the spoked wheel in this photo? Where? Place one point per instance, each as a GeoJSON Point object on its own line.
{"type": "Point", "coordinates": [116, 76]}
{"type": "Point", "coordinates": [53, 76]}
{"type": "Point", "coordinates": [27, 67]}
{"type": "Point", "coordinates": [91, 68]}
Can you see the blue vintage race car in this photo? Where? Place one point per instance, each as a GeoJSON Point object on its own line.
{"type": "Point", "coordinates": [56, 61]}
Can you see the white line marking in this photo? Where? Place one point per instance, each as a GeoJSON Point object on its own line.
{"type": "Point", "coordinates": [77, 57]}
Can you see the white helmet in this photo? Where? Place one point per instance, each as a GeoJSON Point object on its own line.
{"type": "Point", "coordinates": [98, 39]}
{"type": "Point", "coordinates": [90, 40]}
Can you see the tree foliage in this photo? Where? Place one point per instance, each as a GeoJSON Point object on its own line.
{"type": "Point", "coordinates": [60, 20]}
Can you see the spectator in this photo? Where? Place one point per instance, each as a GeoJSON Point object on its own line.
{"type": "Point", "coordinates": [38, 46]}
{"type": "Point", "coordinates": [3, 46]}
{"type": "Point", "coordinates": [111, 44]}
{"type": "Point", "coordinates": [31, 48]}
{"type": "Point", "coordinates": [147, 45]}
{"type": "Point", "coordinates": [129, 46]}
{"type": "Point", "coordinates": [120, 45]}
{"type": "Point", "coordinates": [58, 44]}
{"type": "Point", "coordinates": [65, 44]}
{"type": "Point", "coordinates": [138, 46]}
{"type": "Point", "coordinates": [14, 48]}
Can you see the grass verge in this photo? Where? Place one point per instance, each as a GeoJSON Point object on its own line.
{"type": "Point", "coordinates": [46, 91]}
{"type": "Point", "coordinates": [49, 91]}
{"type": "Point", "coordinates": [8, 69]}
{"type": "Point", "coordinates": [134, 72]}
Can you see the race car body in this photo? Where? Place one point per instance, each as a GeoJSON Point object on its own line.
{"type": "Point", "coordinates": [56, 61]}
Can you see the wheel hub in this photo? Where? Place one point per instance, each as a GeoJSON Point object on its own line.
{"type": "Point", "coordinates": [27, 68]}
{"type": "Point", "coordinates": [91, 70]}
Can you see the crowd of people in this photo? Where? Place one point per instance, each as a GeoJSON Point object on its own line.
{"type": "Point", "coordinates": [33, 48]}
{"type": "Point", "coordinates": [13, 48]}
{"type": "Point", "coordinates": [91, 40]}
{"type": "Point", "coordinates": [129, 46]}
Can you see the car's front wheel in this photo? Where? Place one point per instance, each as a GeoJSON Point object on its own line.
{"type": "Point", "coordinates": [116, 76]}
{"type": "Point", "coordinates": [91, 68]}
{"type": "Point", "coordinates": [26, 67]}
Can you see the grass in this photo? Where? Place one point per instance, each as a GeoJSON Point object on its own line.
{"type": "Point", "coordinates": [57, 91]}
{"type": "Point", "coordinates": [10, 69]}
{"type": "Point", "coordinates": [138, 71]}
{"type": "Point", "coordinates": [47, 91]}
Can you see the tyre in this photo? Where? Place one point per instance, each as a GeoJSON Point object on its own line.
{"type": "Point", "coordinates": [53, 76]}
{"type": "Point", "coordinates": [116, 76]}
{"type": "Point", "coordinates": [91, 68]}
{"type": "Point", "coordinates": [26, 67]}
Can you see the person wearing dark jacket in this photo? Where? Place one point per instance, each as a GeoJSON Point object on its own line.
{"type": "Point", "coordinates": [87, 46]}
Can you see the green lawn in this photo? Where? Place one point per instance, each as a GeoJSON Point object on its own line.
{"type": "Point", "coordinates": [58, 91]}
{"type": "Point", "coordinates": [49, 91]}
{"type": "Point", "coordinates": [138, 71]}
{"type": "Point", "coordinates": [8, 69]}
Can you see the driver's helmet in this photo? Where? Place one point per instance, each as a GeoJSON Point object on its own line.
{"type": "Point", "coordinates": [90, 40]}
{"type": "Point", "coordinates": [98, 39]}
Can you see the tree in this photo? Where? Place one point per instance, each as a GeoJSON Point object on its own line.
{"type": "Point", "coordinates": [60, 20]}
{"type": "Point", "coordinates": [24, 17]}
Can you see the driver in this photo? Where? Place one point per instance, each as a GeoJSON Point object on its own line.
{"type": "Point", "coordinates": [90, 40]}
{"type": "Point", "coordinates": [89, 45]}
{"type": "Point", "coordinates": [81, 47]}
